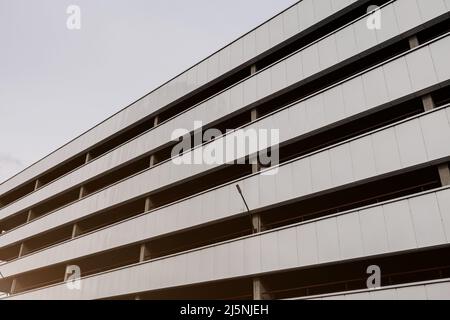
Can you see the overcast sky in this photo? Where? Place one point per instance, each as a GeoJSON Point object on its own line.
{"type": "Point", "coordinates": [56, 83]}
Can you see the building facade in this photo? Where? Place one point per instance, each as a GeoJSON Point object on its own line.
{"type": "Point", "coordinates": [359, 195]}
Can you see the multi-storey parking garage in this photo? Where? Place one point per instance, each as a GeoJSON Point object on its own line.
{"type": "Point", "coordinates": [363, 115]}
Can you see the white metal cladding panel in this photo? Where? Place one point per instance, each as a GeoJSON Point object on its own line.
{"type": "Point", "coordinates": [249, 43]}
{"type": "Point", "coordinates": [281, 122]}
{"type": "Point", "coordinates": [373, 231]}
{"type": "Point", "coordinates": [383, 295]}
{"type": "Point", "coordinates": [322, 9]}
{"type": "Point", "coordinates": [262, 39]}
{"type": "Point", "coordinates": [294, 69]}
{"type": "Point", "coordinates": [263, 83]}
{"type": "Point", "coordinates": [306, 13]}
{"type": "Point", "coordinates": [334, 104]}
{"type": "Point", "coordinates": [236, 96]}
{"type": "Point", "coordinates": [341, 165]}
{"type": "Point", "coordinates": [252, 255]}
{"type": "Point", "coordinates": [279, 76]}
{"type": "Point", "coordinates": [213, 67]}
{"type": "Point", "coordinates": [287, 248]}
{"type": "Point", "coordinates": [439, 51]}
{"type": "Point", "coordinates": [276, 30]}
{"type": "Point", "coordinates": [302, 176]}
{"type": "Point", "coordinates": [291, 23]}
{"type": "Point", "coordinates": [400, 229]}
{"type": "Point", "coordinates": [431, 11]}
{"type": "Point", "coordinates": [349, 226]}
{"type": "Point", "coordinates": [237, 53]}
{"type": "Point", "coordinates": [421, 68]}
{"type": "Point", "coordinates": [444, 207]}
{"type": "Point", "coordinates": [407, 13]}
{"type": "Point", "coordinates": [223, 61]}
{"type": "Point", "coordinates": [315, 112]}
{"type": "Point", "coordinates": [430, 231]}
{"type": "Point", "coordinates": [310, 60]}
{"type": "Point", "coordinates": [436, 139]}
{"type": "Point", "coordinates": [321, 170]}
{"type": "Point", "coordinates": [236, 258]}
{"type": "Point", "coordinates": [308, 252]}
{"type": "Point", "coordinates": [375, 87]}
{"type": "Point", "coordinates": [412, 293]}
{"type": "Point", "coordinates": [389, 27]}
{"type": "Point", "coordinates": [386, 147]}
{"type": "Point", "coordinates": [354, 95]}
{"type": "Point", "coordinates": [340, 4]}
{"type": "Point", "coordinates": [284, 184]}
{"type": "Point", "coordinates": [346, 43]}
{"type": "Point", "coordinates": [439, 290]}
{"type": "Point", "coordinates": [411, 143]}
{"type": "Point", "coordinates": [367, 158]}
{"type": "Point", "coordinates": [397, 78]}
{"type": "Point", "coordinates": [327, 240]}
{"type": "Point", "coordinates": [269, 248]}
{"type": "Point", "coordinates": [328, 54]}
{"type": "Point", "coordinates": [359, 94]}
{"type": "Point", "coordinates": [267, 192]}
{"type": "Point", "coordinates": [365, 37]}
{"type": "Point", "coordinates": [363, 159]}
